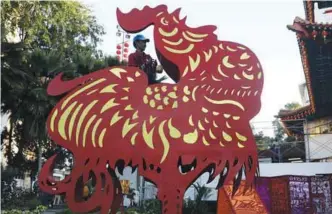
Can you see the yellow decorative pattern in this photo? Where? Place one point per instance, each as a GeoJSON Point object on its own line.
{"type": "Point", "coordinates": [191, 137]}
{"type": "Point", "coordinates": [196, 35]}
{"type": "Point", "coordinates": [63, 121]}
{"type": "Point", "coordinates": [94, 130]}
{"type": "Point", "coordinates": [226, 136]}
{"type": "Point", "coordinates": [191, 121]}
{"type": "Point", "coordinates": [117, 71]}
{"type": "Point", "coordinates": [82, 90]}
{"type": "Point", "coordinates": [115, 118]}
{"type": "Point", "coordinates": [109, 89]}
{"type": "Point", "coordinates": [212, 135]}
{"type": "Point", "coordinates": [224, 102]}
{"type": "Point", "coordinates": [221, 72]}
{"type": "Point", "coordinates": [82, 117]}
{"type": "Point", "coordinates": [110, 104]}
{"type": "Point", "coordinates": [194, 63]}
{"type": "Point", "coordinates": [244, 56]}
{"type": "Point", "coordinates": [88, 124]}
{"type": "Point", "coordinates": [133, 138]}
{"type": "Point", "coordinates": [240, 137]}
{"type": "Point", "coordinates": [148, 136]}
{"type": "Point", "coordinates": [207, 55]}
{"type": "Point", "coordinates": [55, 113]}
{"type": "Point", "coordinates": [225, 62]}
{"type": "Point", "coordinates": [127, 127]}
{"type": "Point", "coordinates": [205, 142]}
{"type": "Point", "coordinates": [168, 34]}
{"type": "Point", "coordinates": [190, 39]}
{"type": "Point", "coordinates": [183, 51]}
{"type": "Point", "coordinates": [101, 138]}
{"type": "Point", "coordinates": [164, 140]}
{"type": "Point", "coordinates": [173, 132]}
{"type": "Point", "coordinates": [72, 120]}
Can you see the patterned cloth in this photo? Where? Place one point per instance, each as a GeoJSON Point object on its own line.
{"type": "Point", "coordinates": [321, 194]}
{"type": "Point", "coordinates": [263, 189]}
{"type": "Point", "coordinates": [299, 194]}
{"type": "Point", "coordinates": [280, 195]}
{"type": "Point", "coordinates": [247, 203]}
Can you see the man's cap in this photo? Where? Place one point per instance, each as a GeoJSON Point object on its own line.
{"type": "Point", "coordinates": [140, 37]}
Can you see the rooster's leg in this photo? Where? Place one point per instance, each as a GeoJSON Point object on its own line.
{"type": "Point", "coordinates": [171, 199]}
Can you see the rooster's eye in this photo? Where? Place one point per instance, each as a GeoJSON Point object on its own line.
{"type": "Point", "coordinates": [164, 21]}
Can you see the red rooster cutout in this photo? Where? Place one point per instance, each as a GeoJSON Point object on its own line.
{"type": "Point", "coordinates": [172, 133]}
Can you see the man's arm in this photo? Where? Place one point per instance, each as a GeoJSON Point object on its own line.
{"type": "Point", "coordinates": [132, 61]}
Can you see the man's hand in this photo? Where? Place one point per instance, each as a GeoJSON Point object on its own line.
{"type": "Point", "coordinates": [159, 69]}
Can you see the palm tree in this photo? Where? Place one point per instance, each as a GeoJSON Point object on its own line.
{"type": "Point", "coordinates": [25, 81]}
{"type": "Point", "coordinates": [198, 206]}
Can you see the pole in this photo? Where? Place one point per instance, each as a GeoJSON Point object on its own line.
{"type": "Point", "coordinates": [125, 36]}
{"type": "Point", "coordinates": [122, 45]}
{"type": "Point", "coordinates": [307, 137]}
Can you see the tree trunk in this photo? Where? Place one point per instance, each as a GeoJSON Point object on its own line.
{"type": "Point", "coordinates": [9, 147]}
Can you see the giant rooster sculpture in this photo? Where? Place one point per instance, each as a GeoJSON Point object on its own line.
{"type": "Point", "coordinates": [172, 133]}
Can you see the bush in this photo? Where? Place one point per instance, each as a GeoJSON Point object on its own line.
{"type": "Point", "coordinates": [38, 210]}
{"type": "Point", "coordinates": [20, 199]}
{"type": "Point", "coordinates": [66, 211]}
{"type": "Point", "coordinates": [152, 206]}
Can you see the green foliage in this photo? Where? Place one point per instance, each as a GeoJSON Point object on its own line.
{"type": "Point", "coordinates": [263, 142]}
{"type": "Point", "coordinates": [152, 206]}
{"type": "Point", "coordinates": [66, 211]}
{"type": "Point", "coordinates": [50, 24]}
{"type": "Point", "coordinates": [18, 198]}
{"type": "Point", "coordinates": [38, 210]}
{"type": "Point", "coordinates": [292, 106]}
{"type": "Point", "coordinates": [198, 205]}
{"type": "Point", "coordinates": [8, 185]}
{"type": "Point", "coordinates": [39, 40]}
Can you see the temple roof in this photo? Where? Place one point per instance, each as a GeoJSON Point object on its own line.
{"type": "Point", "coordinates": [296, 114]}
{"type": "Point", "coordinates": [315, 46]}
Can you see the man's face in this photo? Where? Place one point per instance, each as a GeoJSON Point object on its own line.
{"type": "Point", "coordinates": [141, 45]}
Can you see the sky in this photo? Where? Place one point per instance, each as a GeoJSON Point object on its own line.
{"type": "Point", "coordinates": [260, 25]}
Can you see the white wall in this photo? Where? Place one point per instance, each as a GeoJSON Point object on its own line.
{"type": "Point", "coordinates": [318, 138]}
{"type": "Point", "coordinates": [320, 16]}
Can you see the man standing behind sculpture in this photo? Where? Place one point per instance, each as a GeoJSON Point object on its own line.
{"type": "Point", "coordinates": [144, 61]}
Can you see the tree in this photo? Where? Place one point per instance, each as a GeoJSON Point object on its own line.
{"type": "Point", "coordinates": [198, 206]}
{"type": "Point", "coordinates": [292, 106]}
{"type": "Point", "coordinates": [50, 25]}
{"type": "Point", "coordinates": [263, 142]}
{"type": "Point", "coordinates": [279, 131]}
{"type": "Point", "coordinates": [39, 40]}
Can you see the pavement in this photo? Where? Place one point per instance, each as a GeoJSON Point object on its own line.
{"type": "Point", "coordinates": [55, 209]}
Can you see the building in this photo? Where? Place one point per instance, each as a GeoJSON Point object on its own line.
{"type": "Point", "coordinates": [313, 122]}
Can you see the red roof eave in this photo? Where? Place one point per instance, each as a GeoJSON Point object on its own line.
{"type": "Point", "coordinates": [297, 114]}
{"type": "Point", "coordinates": [301, 34]}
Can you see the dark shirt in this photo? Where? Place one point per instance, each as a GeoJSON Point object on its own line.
{"type": "Point", "coordinates": [138, 58]}
{"type": "Point", "coordinates": [143, 61]}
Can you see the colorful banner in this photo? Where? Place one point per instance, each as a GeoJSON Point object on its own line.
{"type": "Point", "coordinates": [263, 188]}
{"type": "Point", "coordinates": [242, 203]}
{"type": "Point", "coordinates": [299, 194]}
{"type": "Point", "coordinates": [279, 195]}
{"type": "Point", "coordinates": [321, 194]}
